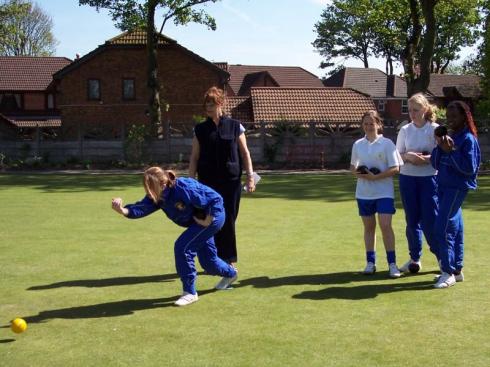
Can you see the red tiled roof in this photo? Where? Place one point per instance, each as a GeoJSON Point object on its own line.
{"type": "Point", "coordinates": [285, 76]}
{"type": "Point", "coordinates": [137, 37]}
{"type": "Point", "coordinates": [29, 73]}
{"type": "Point", "coordinates": [332, 105]}
{"type": "Point", "coordinates": [239, 108]}
{"type": "Point", "coordinates": [44, 121]}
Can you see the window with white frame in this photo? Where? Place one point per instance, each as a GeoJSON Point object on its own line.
{"type": "Point", "coordinates": [381, 105]}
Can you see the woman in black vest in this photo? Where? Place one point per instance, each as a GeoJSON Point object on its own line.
{"type": "Point", "coordinates": [219, 149]}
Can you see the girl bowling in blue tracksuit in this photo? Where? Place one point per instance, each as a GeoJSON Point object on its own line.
{"type": "Point", "coordinates": [457, 159]}
{"type": "Point", "coordinates": [189, 204]}
{"type": "Point", "coordinates": [418, 187]}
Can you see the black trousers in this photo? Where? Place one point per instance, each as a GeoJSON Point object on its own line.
{"type": "Point", "coordinates": [225, 239]}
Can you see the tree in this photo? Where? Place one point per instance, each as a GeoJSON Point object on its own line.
{"type": "Point", "coordinates": [345, 30]}
{"type": "Point", "coordinates": [25, 30]}
{"type": "Point", "coordinates": [483, 108]}
{"type": "Point", "coordinates": [419, 47]}
{"type": "Point", "coordinates": [457, 27]}
{"type": "Point", "coordinates": [133, 14]}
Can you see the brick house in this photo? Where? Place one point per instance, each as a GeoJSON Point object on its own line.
{"type": "Point", "coordinates": [28, 97]}
{"type": "Point", "coordinates": [389, 92]}
{"type": "Point", "coordinates": [106, 89]}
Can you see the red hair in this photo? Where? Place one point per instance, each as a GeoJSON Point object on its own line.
{"type": "Point", "coordinates": [215, 95]}
{"type": "Point", "coordinates": [464, 109]}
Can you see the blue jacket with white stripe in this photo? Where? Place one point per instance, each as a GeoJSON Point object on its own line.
{"type": "Point", "coordinates": [458, 168]}
{"type": "Point", "coordinates": [180, 202]}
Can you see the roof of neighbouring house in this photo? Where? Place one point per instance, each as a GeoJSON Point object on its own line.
{"type": "Point", "coordinates": [332, 105]}
{"type": "Point", "coordinates": [463, 82]}
{"type": "Point", "coordinates": [137, 38]}
{"type": "Point", "coordinates": [29, 73]}
{"type": "Point", "coordinates": [378, 84]}
{"type": "Point", "coordinates": [366, 80]}
{"type": "Point", "coordinates": [284, 76]}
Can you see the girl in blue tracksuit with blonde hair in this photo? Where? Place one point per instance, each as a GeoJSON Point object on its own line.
{"type": "Point", "coordinates": [194, 206]}
{"type": "Point", "coordinates": [457, 159]}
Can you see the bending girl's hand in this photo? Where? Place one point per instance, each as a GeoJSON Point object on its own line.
{"type": "Point", "coordinates": [118, 207]}
{"type": "Point", "coordinates": [204, 222]}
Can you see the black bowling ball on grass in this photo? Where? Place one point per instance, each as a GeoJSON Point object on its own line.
{"type": "Point", "coordinates": [413, 268]}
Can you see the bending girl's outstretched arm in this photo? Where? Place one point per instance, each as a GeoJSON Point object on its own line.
{"type": "Point", "coordinates": [139, 209]}
{"type": "Point", "coordinates": [117, 206]}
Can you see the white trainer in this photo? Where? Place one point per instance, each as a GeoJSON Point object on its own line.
{"type": "Point", "coordinates": [186, 299]}
{"type": "Point", "coordinates": [225, 282]}
{"type": "Point", "coordinates": [459, 277]}
{"type": "Point", "coordinates": [394, 271]}
{"type": "Point", "coordinates": [445, 281]}
{"type": "Point", "coordinates": [370, 269]}
{"type": "Point", "coordinates": [411, 267]}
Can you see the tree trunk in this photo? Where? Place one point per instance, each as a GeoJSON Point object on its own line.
{"type": "Point", "coordinates": [444, 67]}
{"type": "Point", "coordinates": [428, 44]}
{"type": "Point", "coordinates": [412, 43]}
{"type": "Point", "coordinates": [420, 83]}
{"type": "Point", "coordinates": [153, 84]}
{"type": "Point", "coordinates": [365, 57]}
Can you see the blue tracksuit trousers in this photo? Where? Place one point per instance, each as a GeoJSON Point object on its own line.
{"type": "Point", "coordinates": [449, 229]}
{"type": "Point", "coordinates": [419, 198]}
{"type": "Point", "coordinates": [198, 240]}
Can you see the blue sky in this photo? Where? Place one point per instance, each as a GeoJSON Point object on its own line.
{"type": "Point", "coordinates": [250, 32]}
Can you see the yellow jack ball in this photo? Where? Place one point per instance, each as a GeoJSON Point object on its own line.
{"type": "Point", "coordinates": [18, 325]}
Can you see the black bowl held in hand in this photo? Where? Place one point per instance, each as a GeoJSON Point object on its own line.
{"type": "Point", "coordinates": [374, 170]}
{"type": "Point", "coordinates": [362, 169]}
{"type": "Point", "coordinates": [199, 213]}
{"type": "Point", "coordinates": [425, 152]}
{"type": "Point", "coordinates": [440, 131]}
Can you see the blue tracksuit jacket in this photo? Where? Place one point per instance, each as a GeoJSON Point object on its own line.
{"type": "Point", "coordinates": [179, 202]}
{"type": "Point", "coordinates": [458, 169]}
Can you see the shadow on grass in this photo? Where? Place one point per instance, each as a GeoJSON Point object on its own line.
{"type": "Point", "coordinates": [352, 293]}
{"type": "Point", "coordinates": [5, 341]}
{"type": "Point", "coordinates": [71, 182]}
{"type": "Point", "coordinates": [109, 309]}
{"type": "Point", "coordinates": [316, 279]}
{"type": "Point", "coordinates": [363, 291]}
{"type": "Point", "coordinates": [109, 282]}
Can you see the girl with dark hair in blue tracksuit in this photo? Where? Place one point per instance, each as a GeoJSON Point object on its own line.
{"type": "Point", "coordinates": [189, 204]}
{"type": "Point", "coordinates": [457, 159]}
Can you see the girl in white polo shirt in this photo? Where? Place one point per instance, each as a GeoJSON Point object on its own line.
{"type": "Point", "coordinates": [374, 162]}
{"type": "Point", "coordinates": [418, 187]}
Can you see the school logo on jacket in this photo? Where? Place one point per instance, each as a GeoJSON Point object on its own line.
{"type": "Point", "coordinates": [179, 205]}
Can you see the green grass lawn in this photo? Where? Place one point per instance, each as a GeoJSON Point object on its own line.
{"type": "Point", "coordinates": [98, 289]}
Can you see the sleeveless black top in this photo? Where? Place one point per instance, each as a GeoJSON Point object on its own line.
{"type": "Point", "coordinates": [219, 156]}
